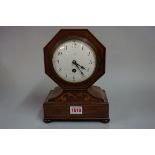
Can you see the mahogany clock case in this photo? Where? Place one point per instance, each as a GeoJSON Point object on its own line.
{"type": "Point", "coordinates": [83, 35]}
{"type": "Point", "coordinates": [92, 100]}
{"type": "Point", "coordinates": [94, 104]}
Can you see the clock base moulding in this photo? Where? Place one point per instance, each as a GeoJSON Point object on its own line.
{"type": "Point", "coordinates": [86, 104]}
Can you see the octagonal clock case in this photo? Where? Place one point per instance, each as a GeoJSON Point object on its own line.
{"type": "Point", "coordinates": [75, 60]}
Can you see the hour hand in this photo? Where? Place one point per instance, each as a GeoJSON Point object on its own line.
{"type": "Point", "coordinates": [75, 63]}
{"type": "Point", "coordinates": [82, 67]}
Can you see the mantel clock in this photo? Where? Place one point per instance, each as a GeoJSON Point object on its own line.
{"type": "Point", "coordinates": [75, 60]}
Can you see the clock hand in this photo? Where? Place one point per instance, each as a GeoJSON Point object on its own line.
{"type": "Point", "coordinates": [82, 67]}
{"type": "Point", "coordinates": [75, 63]}
{"type": "Point", "coordinates": [80, 70]}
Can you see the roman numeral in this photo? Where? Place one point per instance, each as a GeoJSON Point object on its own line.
{"type": "Point", "coordinates": [59, 53]}
{"type": "Point", "coordinates": [74, 44]}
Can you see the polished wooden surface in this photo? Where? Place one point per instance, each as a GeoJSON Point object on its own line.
{"type": "Point", "coordinates": [93, 101]}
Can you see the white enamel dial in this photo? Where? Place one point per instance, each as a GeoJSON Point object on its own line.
{"type": "Point", "coordinates": [74, 61]}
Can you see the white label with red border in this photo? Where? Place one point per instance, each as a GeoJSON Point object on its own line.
{"type": "Point", "coordinates": [75, 109]}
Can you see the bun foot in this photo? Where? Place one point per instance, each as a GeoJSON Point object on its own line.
{"type": "Point", "coordinates": [47, 120]}
{"type": "Point", "coordinates": [106, 120]}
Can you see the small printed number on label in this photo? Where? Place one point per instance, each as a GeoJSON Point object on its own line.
{"type": "Point", "coordinates": [75, 109]}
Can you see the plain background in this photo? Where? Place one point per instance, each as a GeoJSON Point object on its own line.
{"type": "Point", "coordinates": [129, 79]}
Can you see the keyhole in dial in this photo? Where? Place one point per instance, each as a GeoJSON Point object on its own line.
{"type": "Point", "coordinates": [74, 70]}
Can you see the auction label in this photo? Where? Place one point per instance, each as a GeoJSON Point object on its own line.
{"type": "Point", "coordinates": [75, 109]}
